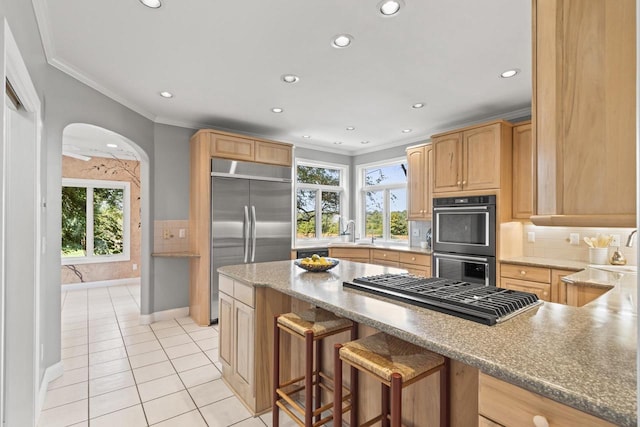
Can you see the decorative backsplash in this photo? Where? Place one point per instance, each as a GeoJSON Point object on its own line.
{"type": "Point", "coordinates": [554, 242]}
{"type": "Point", "coordinates": [171, 236]}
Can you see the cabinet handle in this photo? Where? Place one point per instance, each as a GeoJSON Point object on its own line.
{"type": "Point", "coordinates": [523, 273]}
{"type": "Point", "coordinates": [540, 421]}
{"type": "Point", "coordinates": [459, 183]}
{"type": "Point", "coordinates": [384, 255]}
{"type": "Point", "coordinates": [464, 182]}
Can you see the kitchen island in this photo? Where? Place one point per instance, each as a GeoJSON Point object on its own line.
{"type": "Point", "coordinates": [582, 357]}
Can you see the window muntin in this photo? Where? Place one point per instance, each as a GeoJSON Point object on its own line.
{"type": "Point", "coordinates": [320, 200]}
{"type": "Point", "coordinates": [382, 204]}
{"type": "Point", "coordinates": [95, 221]}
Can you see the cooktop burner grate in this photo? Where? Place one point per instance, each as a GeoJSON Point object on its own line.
{"type": "Point", "coordinates": [480, 303]}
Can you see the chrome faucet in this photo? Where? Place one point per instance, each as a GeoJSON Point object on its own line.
{"type": "Point", "coordinates": [350, 230]}
{"type": "Point", "coordinates": [631, 238]}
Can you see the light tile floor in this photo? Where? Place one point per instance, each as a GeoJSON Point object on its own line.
{"type": "Point", "coordinates": [120, 373]}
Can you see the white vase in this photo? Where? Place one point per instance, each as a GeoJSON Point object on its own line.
{"type": "Point", "coordinates": [599, 256]}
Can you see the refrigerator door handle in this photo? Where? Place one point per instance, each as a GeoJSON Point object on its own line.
{"type": "Point", "coordinates": [246, 233]}
{"type": "Point", "coordinates": [253, 233]}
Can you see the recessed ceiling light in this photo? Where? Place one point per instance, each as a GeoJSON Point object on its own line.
{"type": "Point", "coordinates": [509, 73]}
{"type": "Point", "coordinates": [112, 145]}
{"type": "Point", "coordinates": [306, 136]}
{"type": "Point", "coordinates": [290, 78]}
{"type": "Point", "coordinates": [350, 128]}
{"type": "Point", "coordinates": [389, 7]}
{"type": "Point", "coordinates": [406, 130]}
{"type": "Point", "coordinates": [418, 105]}
{"type": "Point", "coordinates": [166, 94]}
{"type": "Point", "coordinates": [364, 142]}
{"type": "Point", "coordinates": [277, 110]}
{"type": "Point", "coordinates": [341, 41]}
{"type": "Point", "coordinates": [153, 4]}
{"type": "Point", "coordinates": [338, 142]}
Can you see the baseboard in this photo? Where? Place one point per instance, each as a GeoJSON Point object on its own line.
{"type": "Point", "coordinates": [158, 316]}
{"type": "Point", "coordinates": [101, 284]}
{"type": "Point", "coordinates": [51, 373]}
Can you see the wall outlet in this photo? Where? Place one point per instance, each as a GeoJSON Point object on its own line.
{"type": "Point", "coordinates": [182, 233]}
{"type": "Point", "coordinates": [415, 232]}
{"type": "Point", "coordinates": [531, 236]}
{"type": "Point", "coordinates": [615, 240]}
{"type": "Point", "coordinates": [134, 267]}
{"type": "Point", "coordinates": [574, 239]}
{"type": "Point", "coordinates": [166, 234]}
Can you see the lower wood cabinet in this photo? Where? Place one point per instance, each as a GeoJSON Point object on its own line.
{"type": "Point", "coordinates": [246, 339]}
{"type": "Point", "coordinates": [418, 264]}
{"type": "Point", "coordinates": [547, 284]}
{"type": "Point", "coordinates": [350, 254]}
{"type": "Point", "coordinates": [504, 404]}
{"type": "Point", "coordinates": [386, 257]}
{"type": "Point", "coordinates": [414, 262]}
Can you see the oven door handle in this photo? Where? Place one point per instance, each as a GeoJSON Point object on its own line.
{"type": "Point", "coordinates": [465, 258]}
{"type": "Point", "coordinates": [462, 208]}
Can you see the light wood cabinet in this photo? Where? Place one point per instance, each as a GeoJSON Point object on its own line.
{"type": "Point", "coordinates": [418, 264]}
{"type": "Point", "coordinates": [205, 144]}
{"type": "Point", "coordinates": [504, 404]}
{"type": "Point", "coordinates": [524, 172]}
{"type": "Point", "coordinates": [419, 182]}
{"type": "Point", "coordinates": [474, 158]}
{"type": "Point", "coordinates": [245, 335]}
{"type": "Point", "coordinates": [584, 113]}
{"type": "Point", "coordinates": [350, 254]}
{"type": "Point", "coordinates": [579, 295]}
{"type": "Point", "coordinates": [545, 282]}
{"type": "Point", "coordinates": [385, 257]}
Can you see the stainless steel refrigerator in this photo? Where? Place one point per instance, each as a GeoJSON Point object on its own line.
{"type": "Point", "coordinates": [250, 215]}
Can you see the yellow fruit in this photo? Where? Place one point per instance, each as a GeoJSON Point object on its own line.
{"type": "Point", "coordinates": [315, 257]}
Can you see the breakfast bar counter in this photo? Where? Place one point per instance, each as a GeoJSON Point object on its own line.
{"type": "Point", "coordinates": [583, 357]}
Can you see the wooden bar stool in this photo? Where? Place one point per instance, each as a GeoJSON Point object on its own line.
{"type": "Point", "coordinates": [396, 364]}
{"type": "Point", "coordinates": [312, 326]}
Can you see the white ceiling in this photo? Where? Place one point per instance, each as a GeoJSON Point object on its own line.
{"type": "Point", "coordinates": [223, 62]}
{"type": "Point", "coordinates": [91, 141]}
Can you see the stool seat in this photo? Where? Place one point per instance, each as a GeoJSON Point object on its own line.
{"type": "Point", "coordinates": [316, 320]}
{"type": "Point", "coordinates": [383, 355]}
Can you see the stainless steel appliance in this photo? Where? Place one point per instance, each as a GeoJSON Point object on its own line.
{"type": "Point", "coordinates": [464, 241]}
{"type": "Point", "coordinates": [483, 304]}
{"type": "Point", "coordinates": [250, 216]}
{"type": "Point", "coordinates": [465, 225]}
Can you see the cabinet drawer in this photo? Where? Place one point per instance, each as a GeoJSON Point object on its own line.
{"type": "Point", "coordinates": [225, 284]}
{"type": "Point", "coordinates": [509, 406]}
{"type": "Point", "coordinates": [385, 255]}
{"type": "Point", "coordinates": [543, 290]}
{"type": "Point", "coordinates": [243, 293]}
{"type": "Point", "coordinates": [417, 271]}
{"type": "Point", "coordinates": [421, 260]}
{"type": "Point", "coordinates": [535, 274]}
{"type": "Point", "coordinates": [341, 253]}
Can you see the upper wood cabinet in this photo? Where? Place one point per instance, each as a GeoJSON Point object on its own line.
{"type": "Point", "coordinates": [239, 148]}
{"type": "Point", "coordinates": [419, 182]}
{"type": "Point", "coordinates": [524, 172]}
{"type": "Point", "coordinates": [584, 114]}
{"type": "Point", "coordinates": [474, 158]}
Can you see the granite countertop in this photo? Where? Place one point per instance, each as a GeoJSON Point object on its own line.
{"type": "Point", "coordinates": [547, 262]}
{"type": "Point", "coordinates": [583, 357]}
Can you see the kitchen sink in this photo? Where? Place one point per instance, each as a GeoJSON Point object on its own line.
{"type": "Point", "coordinates": [629, 269]}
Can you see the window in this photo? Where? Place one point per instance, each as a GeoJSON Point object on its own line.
{"type": "Point", "coordinates": [95, 221]}
{"type": "Point", "coordinates": [382, 204]}
{"type": "Point", "coordinates": [320, 200]}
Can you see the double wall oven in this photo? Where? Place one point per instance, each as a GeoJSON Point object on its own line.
{"type": "Point", "coordinates": [464, 240]}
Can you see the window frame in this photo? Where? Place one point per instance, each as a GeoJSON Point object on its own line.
{"type": "Point", "coordinates": [361, 191]}
{"type": "Point", "coordinates": [342, 189]}
{"type": "Point", "coordinates": [91, 258]}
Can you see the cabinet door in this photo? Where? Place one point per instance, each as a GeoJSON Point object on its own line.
{"type": "Point", "coordinates": [230, 147]}
{"type": "Point", "coordinates": [273, 153]}
{"type": "Point", "coordinates": [416, 183]}
{"type": "Point", "coordinates": [542, 290]}
{"type": "Point", "coordinates": [578, 295]}
{"type": "Point", "coordinates": [524, 172]}
{"type": "Point", "coordinates": [481, 158]}
{"type": "Point", "coordinates": [225, 328]}
{"type": "Point", "coordinates": [447, 163]}
{"type": "Point", "coordinates": [558, 287]}
{"type": "Point", "coordinates": [243, 345]}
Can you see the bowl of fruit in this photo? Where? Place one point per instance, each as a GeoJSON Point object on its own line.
{"type": "Point", "coordinates": [316, 263]}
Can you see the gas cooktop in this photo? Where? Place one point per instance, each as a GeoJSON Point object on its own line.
{"type": "Point", "coordinates": [483, 304]}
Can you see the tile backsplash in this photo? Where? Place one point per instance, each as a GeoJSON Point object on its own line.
{"type": "Point", "coordinates": [553, 242]}
{"type": "Point", "coordinates": [422, 227]}
{"type": "Point", "coordinates": [167, 237]}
